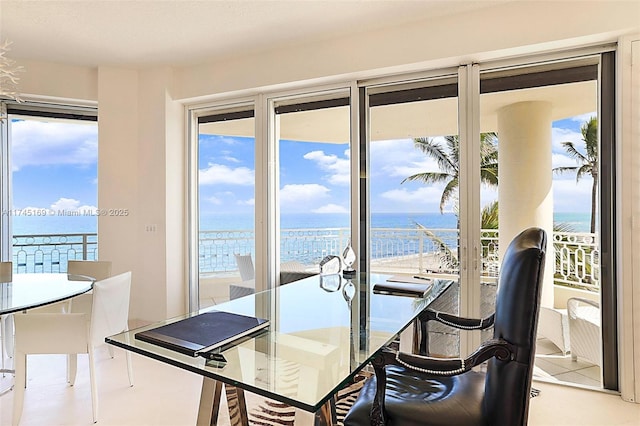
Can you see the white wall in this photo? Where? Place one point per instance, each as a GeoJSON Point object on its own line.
{"type": "Point", "coordinates": [510, 29]}
{"type": "Point", "coordinates": [118, 170]}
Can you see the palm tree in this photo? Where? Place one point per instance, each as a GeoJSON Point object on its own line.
{"type": "Point", "coordinates": [588, 162]}
{"type": "Point", "coordinates": [448, 162]}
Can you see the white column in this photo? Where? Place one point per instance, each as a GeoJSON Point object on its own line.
{"type": "Point", "coordinates": [525, 194]}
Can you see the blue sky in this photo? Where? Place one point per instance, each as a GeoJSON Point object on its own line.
{"type": "Point", "coordinates": [314, 177]}
{"type": "Point", "coordinates": [55, 167]}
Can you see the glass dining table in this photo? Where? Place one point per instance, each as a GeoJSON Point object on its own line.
{"type": "Point", "coordinates": [32, 290]}
{"type": "Point", "coordinates": [323, 330]}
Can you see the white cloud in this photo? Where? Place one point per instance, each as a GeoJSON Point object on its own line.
{"type": "Point", "coordinates": [304, 193]}
{"type": "Point", "coordinates": [69, 205]}
{"type": "Point", "coordinates": [331, 208]}
{"type": "Point", "coordinates": [43, 143]}
{"type": "Point", "coordinates": [559, 135]}
{"type": "Point", "coordinates": [399, 159]}
{"type": "Point", "coordinates": [572, 196]}
{"type": "Point", "coordinates": [562, 160]}
{"type": "Point", "coordinates": [583, 118]}
{"type": "Point", "coordinates": [65, 204]}
{"type": "Point", "coordinates": [221, 174]}
{"type": "Point", "coordinates": [231, 159]}
{"type": "Point", "coordinates": [338, 169]}
{"type": "Point", "coordinates": [249, 202]}
{"type": "Point", "coordinates": [213, 200]}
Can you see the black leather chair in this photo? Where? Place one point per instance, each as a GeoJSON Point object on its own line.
{"type": "Point", "coordinates": [411, 389]}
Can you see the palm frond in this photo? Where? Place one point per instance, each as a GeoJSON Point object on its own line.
{"type": "Point", "coordinates": [561, 170]}
{"type": "Point", "coordinates": [445, 253]}
{"type": "Point", "coordinates": [448, 192]}
{"type": "Point", "coordinates": [434, 150]}
{"type": "Point", "coordinates": [428, 177]}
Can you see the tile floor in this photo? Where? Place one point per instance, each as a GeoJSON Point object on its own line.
{"type": "Point", "coordinates": [163, 395]}
{"type": "Point", "coordinates": [553, 366]}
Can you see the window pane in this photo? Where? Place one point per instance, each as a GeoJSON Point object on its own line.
{"type": "Point", "coordinates": [413, 189]}
{"type": "Point", "coordinates": [226, 193]}
{"type": "Point", "coordinates": [314, 183]}
{"type": "Point", "coordinates": [54, 192]}
{"type": "Point", "coordinates": [544, 120]}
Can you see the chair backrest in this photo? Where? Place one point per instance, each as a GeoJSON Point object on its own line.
{"type": "Point", "coordinates": [245, 266]}
{"type": "Point", "coordinates": [508, 384]}
{"type": "Point", "coordinates": [6, 271]}
{"type": "Point", "coordinates": [110, 309]}
{"type": "Point", "coordinates": [97, 269]}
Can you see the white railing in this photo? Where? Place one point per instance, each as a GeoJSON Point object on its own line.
{"type": "Point", "coordinates": [50, 252]}
{"type": "Point", "coordinates": [577, 259]}
{"type": "Point", "coordinates": [408, 249]}
{"type": "Point", "coordinates": [414, 250]}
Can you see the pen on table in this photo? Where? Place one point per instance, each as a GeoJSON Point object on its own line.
{"type": "Point", "coordinates": [421, 278]}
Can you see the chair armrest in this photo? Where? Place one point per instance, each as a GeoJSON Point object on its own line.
{"type": "Point", "coordinates": [497, 348]}
{"type": "Point", "coordinates": [572, 302]}
{"type": "Point", "coordinates": [460, 323]}
{"type": "Point", "coordinates": [456, 321]}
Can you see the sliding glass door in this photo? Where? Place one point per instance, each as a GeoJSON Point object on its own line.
{"type": "Point", "coordinates": [226, 200]}
{"type": "Point", "coordinates": [313, 180]}
{"type": "Point", "coordinates": [541, 125]}
{"type": "Point", "coordinates": [413, 195]}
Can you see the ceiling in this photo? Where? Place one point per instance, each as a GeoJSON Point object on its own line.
{"type": "Point", "coordinates": [141, 33]}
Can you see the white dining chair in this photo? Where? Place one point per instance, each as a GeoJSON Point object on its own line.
{"type": "Point", "coordinates": [73, 333]}
{"type": "Point", "coordinates": [96, 269]}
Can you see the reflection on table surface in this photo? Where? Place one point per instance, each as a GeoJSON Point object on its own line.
{"type": "Point", "coordinates": [27, 291]}
{"type": "Point", "coordinates": [318, 338]}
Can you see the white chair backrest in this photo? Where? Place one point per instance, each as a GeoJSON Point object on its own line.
{"type": "Point", "coordinates": [110, 310]}
{"type": "Point", "coordinates": [97, 269]}
{"type": "Point", "coordinates": [245, 266]}
{"type": "Point", "coordinates": [6, 271]}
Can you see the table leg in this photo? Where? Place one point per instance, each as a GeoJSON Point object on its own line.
{"type": "Point", "coordinates": [209, 402]}
{"type": "Point", "coordinates": [326, 415]}
{"type": "Point", "coordinates": [237, 406]}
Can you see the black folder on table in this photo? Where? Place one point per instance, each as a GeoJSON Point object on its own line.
{"type": "Point", "coordinates": [410, 289]}
{"type": "Point", "coordinates": [203, 332]}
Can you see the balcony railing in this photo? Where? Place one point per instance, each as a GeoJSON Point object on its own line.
{"type": "Point", "coordinates": [50, 252]}
{"type": "Point", "coordinates": [392, 249]}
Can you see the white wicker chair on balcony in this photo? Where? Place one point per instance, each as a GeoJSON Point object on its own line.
{"type": "Point", "coordinates": [70, 333]}
{"type": "Point", "coordinates": [245, 266]}
{"type": "Point", "coordinates": [585, 330]}
{"type": "Point", "coordinates": [554, 325]}
{"type": "Point", "coordinates": [247, 275]}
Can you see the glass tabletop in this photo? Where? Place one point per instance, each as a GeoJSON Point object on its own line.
{"type": "Point", "coordinates": [28, 291]}
{"type": "Point", "coordinates": [322, 331]}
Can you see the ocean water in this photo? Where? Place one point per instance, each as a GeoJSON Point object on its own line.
{"type": "Point", "coordinates": [301, 247]}
{"type": "Point", "coordinates": [579, 222]}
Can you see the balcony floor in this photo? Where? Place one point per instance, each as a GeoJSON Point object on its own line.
{"type": "Point", "coordinates": [553, 366]}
